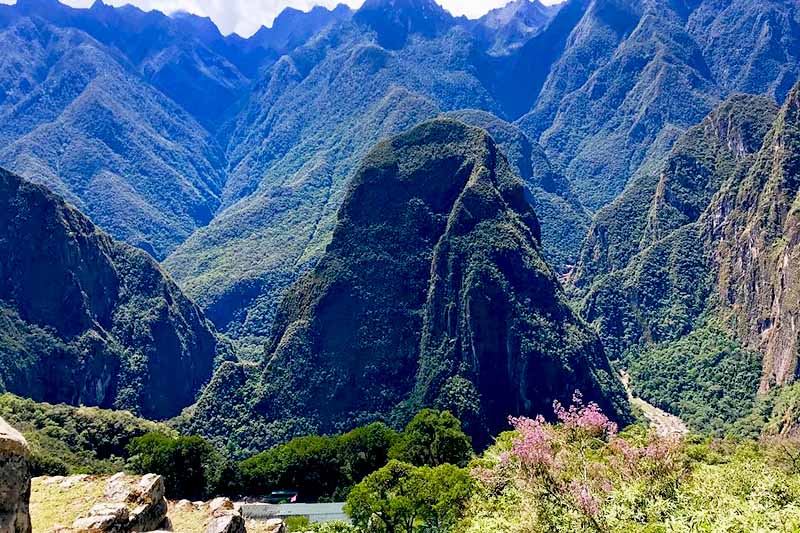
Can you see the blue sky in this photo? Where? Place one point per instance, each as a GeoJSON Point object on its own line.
{"type": "Point", "coordinates": [246, 16]}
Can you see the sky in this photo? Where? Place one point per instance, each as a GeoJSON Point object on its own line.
{"type": "Point", "coordinates": [246, 16]}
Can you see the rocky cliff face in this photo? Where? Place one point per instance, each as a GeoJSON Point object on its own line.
{"type": "Point", "coordinates": [87, 320]}
{"type": "Point", "coordinates": [719, 238]}
{"type": "Point", "coordinates": [433, 291]}
{"type": "Point", "coordinates": [753, 225]}
{"type": "Point", "coordinates": [15, 481]}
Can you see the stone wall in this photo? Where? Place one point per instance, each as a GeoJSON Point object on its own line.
{"type": "Point", "coordinates": [15, 481]}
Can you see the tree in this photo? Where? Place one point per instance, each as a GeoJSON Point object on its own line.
{"type": "Point", "coordinates": [399, 497]}
{"type": "Point", "coordinates": [364, 450]}
{"type": "Point", "coordinates": [309, 465]}
{"type": "Point", "coordinates": [190, 465]}
{"type": "Point", "coordinates": [433, 438]}
{"type": "Point", "coordinates": [385, 502]}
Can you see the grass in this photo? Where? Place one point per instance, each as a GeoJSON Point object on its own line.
{"type": "Point", "coordinates": [53, 505]}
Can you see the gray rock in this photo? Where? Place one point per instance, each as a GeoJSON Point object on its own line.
{"type": "Point", "coordinates": [227, 522]}
{"type": "Point", "coordinates": [15, 481]}
{"type": "Point", "coordinates": [106, 517]}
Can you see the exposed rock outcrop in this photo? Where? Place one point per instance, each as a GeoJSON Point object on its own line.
{"type": "Point", "coordinates": [15, 481]}
{"type": "Point", "coordinates": [132, 505]}
{"type": "Point", "coordinates": [756, 227]}
{"type": "Point", "coordinates": [227, 522]}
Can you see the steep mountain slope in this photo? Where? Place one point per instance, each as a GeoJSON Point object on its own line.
{"type": "Point", "coordinates": [184, 58]}
{"type": "Point", "coordinates": [511, 26]}
{"type": "Point", "coordinates": [655, 204]}
{"type": "Point", "coordinates": [717, 279]}
{"type": "Point", "coordinates": [563, 219]}
{"type": "Point", "coordinates": [87, 320]}
{"type": "Point", "coordinates": [753, 228]}
{"type": "Point", "coordinates": [645, 263]}
{"type": "Point", "coordinates": [633, 75]}
{"type": "Point", "coordinates": [75, 118]}
{"type": "Point", "coordinates": [183, 55]}
{"type": "Point", "coordinates": [432, 291]}
{"type": "Point", "coordinates": [645, 79]}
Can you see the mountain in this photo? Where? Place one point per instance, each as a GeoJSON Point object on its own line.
{"type": "Point", "coordinates": [631, 76]}
{"type": "Point", "coordinates": [511, 26]}
{"type": "Point", "coordinates": [433, 291]}
{"type": "Point", "coordinates": [293, 28]}
{"type": "Point", "coordinates": [88, 320]}
{"type": "Point", "coordinates": [301, 134]}
{"type": "Point", "coordinates": [647, 248]}
{"type": "Point", "coordinates": [753, 225]}
{"type": "Point", "coordinates": [119, 109]}
{"type": "Point", "coordinates": [395, 21]}
{"type": "Point", "coordinates": [710, 267]}
{"type": "Point", "coordinates": [563, 219]}
{"type": "Point", "coordinates": [76, 119]}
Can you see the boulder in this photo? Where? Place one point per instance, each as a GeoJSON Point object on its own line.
{"type": "Point", "coordinates": [15, 481]}
{"type": "Point", "coordinates": [227, 522]}
{"type": "Point", "coordinates": [118, 488]}
{"type": "Point", "coordinates": [219, 505]}
{"type": "Point", "coordinates": [105, 517]}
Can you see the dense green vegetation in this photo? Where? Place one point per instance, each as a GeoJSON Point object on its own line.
{"type": "Point", "coordinates": [88, 320]}
{"type": "Point", "coordinates": [706, 378]}
{"type": "Point", "coordinates": [441, 210]}
{"type": "Point", "coordinates": [432, 438]}
{"type": "Point", "coordinates": [191, 467]}
{"type": "Point", "coordinates": [403, 498]}
{"type": "Point", "coordinates": [318, 467]}
{"type": "Point", "coordinates": [75, 440]}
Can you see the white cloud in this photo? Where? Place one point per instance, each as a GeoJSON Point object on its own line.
{"type": "Point", "coordinates": [246, 16]}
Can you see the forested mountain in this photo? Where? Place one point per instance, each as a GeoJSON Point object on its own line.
{"type": "Point", "coordinates": [301, 135]}
{"type": "Point", "coordinates": [229, 160]}
{"type": "Point", "coordinates": [117, 109]}
{"type": "Point", "coordinates": [433, 276]}
{"type": "Point", "coordinates": [87, 320]}
{"type": "Point", "coordinates": [605, 86]}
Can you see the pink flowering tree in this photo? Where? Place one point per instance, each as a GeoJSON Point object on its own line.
{"type": "Point", "coordinates": [569, 470]}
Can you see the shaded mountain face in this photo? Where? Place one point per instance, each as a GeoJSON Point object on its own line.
{"type": "Point", "coordinates": [292, 28]}
{"type": "Point", "coordinates": [395, 21]}
{"type": "Point", "coordinates": [432, 291]}
{"type": "Point", "coordinates": [87, 320]}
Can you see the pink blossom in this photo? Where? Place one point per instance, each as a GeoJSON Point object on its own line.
{"type": "Point", "coordinates": [588, 419]}
{"type": "Point", "coordinates": [584, 498]}
{"type": "Point", "coordinates": [535, 445]}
